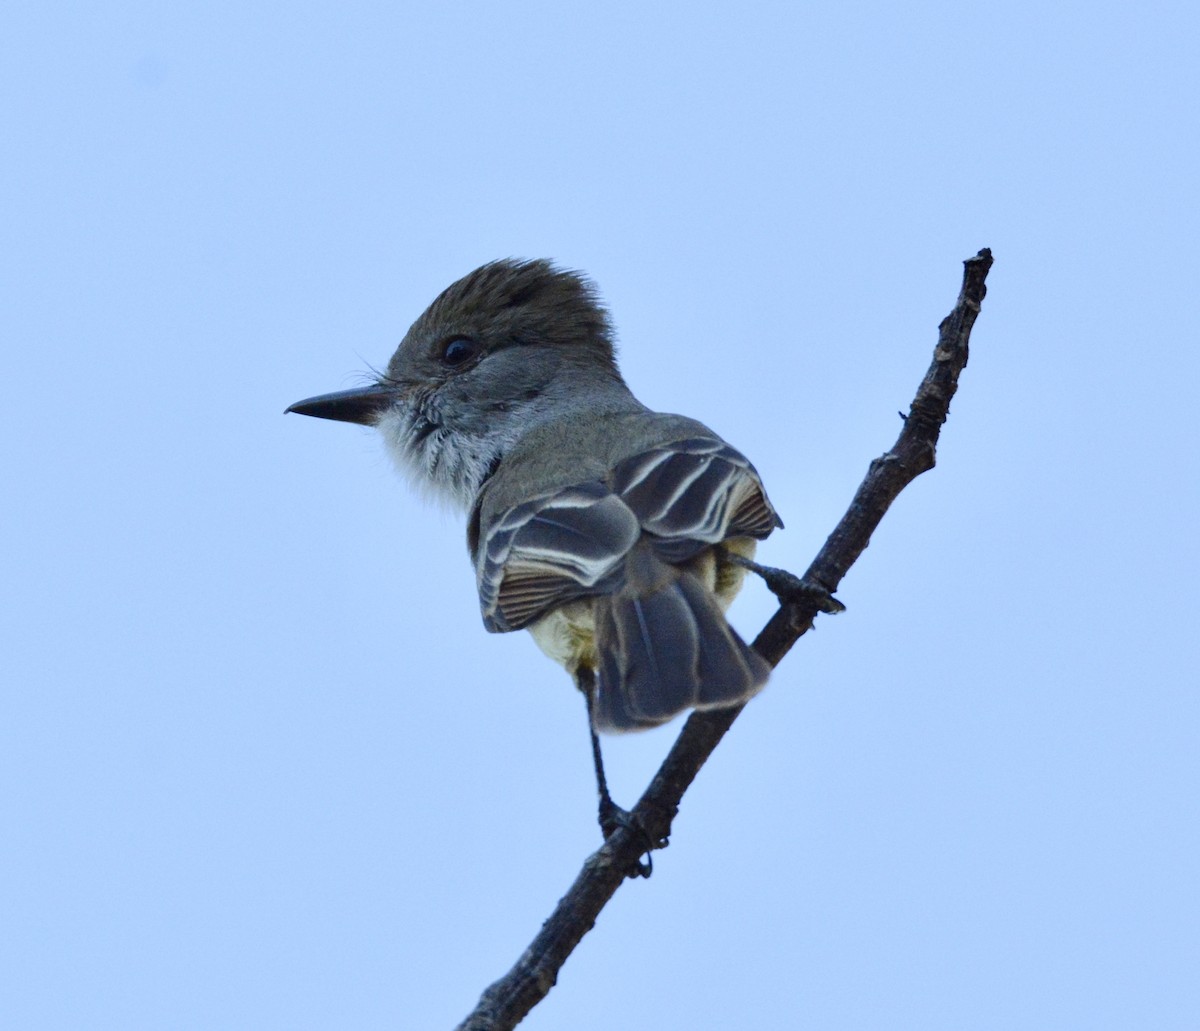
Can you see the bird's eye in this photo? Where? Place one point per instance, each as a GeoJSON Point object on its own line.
{"type": "Point", "coordinates": [458, 351]}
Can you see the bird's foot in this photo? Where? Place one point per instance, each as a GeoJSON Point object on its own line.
{"type": "Point", "coordinates": [613, 818]}
{"type": "Point", "coordinates": [788, 587]}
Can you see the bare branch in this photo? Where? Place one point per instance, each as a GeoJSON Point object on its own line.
{"type": "Point", "coordinates": [507, 1001]}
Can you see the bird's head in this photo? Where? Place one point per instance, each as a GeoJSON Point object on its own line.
{"type": "Point", "coordinates": [500, 348]}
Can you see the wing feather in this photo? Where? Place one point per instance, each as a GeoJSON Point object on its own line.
{"type": "Point", "coordinates": [698, 491]}
{"type": "Point", "coordinates": [570, 544]}
{"type": "Point", "coordinates": [551, 550]}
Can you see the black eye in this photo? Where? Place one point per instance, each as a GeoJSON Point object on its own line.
{"type": "Point", "coordinates": [458, 351]}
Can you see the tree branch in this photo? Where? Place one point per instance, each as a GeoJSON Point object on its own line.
{"type": "Point", "coordinates": [506, 1002]}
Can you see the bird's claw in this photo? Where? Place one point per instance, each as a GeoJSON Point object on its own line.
{"type": "Point", "coordinates": [613, 818]}
{"type": "Point", "coordinates": [788, 587]}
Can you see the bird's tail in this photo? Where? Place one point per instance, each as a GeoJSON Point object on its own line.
{"type": "Point", "coordinates": [663, 645]}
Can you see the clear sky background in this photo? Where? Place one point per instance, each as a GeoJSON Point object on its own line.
{"type": "Point", "coordinates": [262, 767]}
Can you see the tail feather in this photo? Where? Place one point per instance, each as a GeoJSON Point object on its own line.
{"type": "Point", "coordinates": [665, 647]}
{"type": "Point", "coordinates": [729, 670]}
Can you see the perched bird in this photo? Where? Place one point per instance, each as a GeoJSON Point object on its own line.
{"type": "Point", "coordinates": [616, 535]}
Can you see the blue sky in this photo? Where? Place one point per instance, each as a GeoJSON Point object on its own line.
{"type": "Point", "coordinates": [261, 765]}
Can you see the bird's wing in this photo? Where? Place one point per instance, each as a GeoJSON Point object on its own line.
{"type": "Point", "coordinates": [686, 496]}
{"type": "Point", "coordinates": [551, 550]}
{"type": "Point", "coordinates": [694, 493]}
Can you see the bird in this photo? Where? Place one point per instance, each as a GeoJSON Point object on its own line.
{"type": "Point", "coordinates": [617, 535]}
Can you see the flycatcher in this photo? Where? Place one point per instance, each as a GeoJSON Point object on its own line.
{"type": "Point", "coordinates": [616, 535]}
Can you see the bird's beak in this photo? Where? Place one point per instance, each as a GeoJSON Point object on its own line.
{"type": "Point", "coordinates": [362, 405]}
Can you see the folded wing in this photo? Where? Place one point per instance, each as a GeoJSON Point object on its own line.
{"type": "Point", "coordinates": [680, 498]}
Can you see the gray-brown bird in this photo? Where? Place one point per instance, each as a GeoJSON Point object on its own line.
{"type": "Point", "coordinates": [611, 532]}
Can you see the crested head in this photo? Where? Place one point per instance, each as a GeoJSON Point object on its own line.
{"type": "Point", "coordinates": [522, 303]}
{"type": "Point", "coordinates": [512, 343]}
